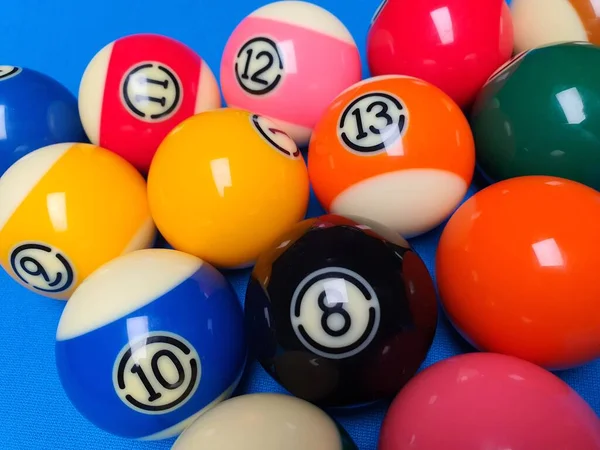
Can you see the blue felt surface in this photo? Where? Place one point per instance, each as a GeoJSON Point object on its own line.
{"type": "Point", "coordinates": [59, 38]}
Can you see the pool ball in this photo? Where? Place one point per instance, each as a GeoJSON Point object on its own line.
{"type": "Point", "coordinates": [541, 22]}
{"type": "Point", "coordinates": [66, 209]}
{"type": "Point", "coordinates": [265, 422]}
{"type": "Point", "coordinates": [516, 270]}
{"type": "Point", "coordinates": [35, 111]}
{"type": "Point", "coordinates": [537, 117]}
{"type": "Point", "coordinates": [150, 341]}
{"type": "Point", "coordinates": [138, 88]}
{"type": "Point", "coordinates": [453, 44]}
{"type": "Point", "coordinates": [481, 401]}
{"type": "Point", "coordinates": [224, 184]}
{"type": "Point", "coordinates": [394, 149]}
{"type": "Point", "coordinates": [340, 311]}
{"type": "Point", "coordinates": [286, 61]}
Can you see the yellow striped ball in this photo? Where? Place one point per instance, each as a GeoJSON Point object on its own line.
{"type": "Point", "coordinates": [65, 210]}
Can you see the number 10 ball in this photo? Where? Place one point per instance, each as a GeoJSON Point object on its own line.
{"type": "Point", "coordinates": [150, 341]}
{"type": "Point", "coordinates": [287, 61]}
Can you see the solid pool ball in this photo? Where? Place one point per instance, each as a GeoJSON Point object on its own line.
{"type": "Point", "coordinates": [537, 117]}
{"type": "Point", "coordinates": [286, 61]}
{"type": "Point", "coordinates": [265, 422]}
{"type": "Point", "coordinates": [541, 22]}
{"type": "Point", "coordinates": [517, 268]}
{"type": "Point", "coordinates": [149, 342]}
{"type": "Point", "coordinates": [394, 149]}
{"type": "Point", "coordinates": [138, 88]}
{"type": "Point", "coordinates": [454, 44]}
{"type": "Point", "coordinates": [224, 184]}
{"type": "Point", "coordinates": [66, 209]}
{"type": "Point", "coordinates": [341, 312]}
{"type": "Point", "coordinates": [488, 401]}
{"type": "Point", "coordinates": [35, 111]}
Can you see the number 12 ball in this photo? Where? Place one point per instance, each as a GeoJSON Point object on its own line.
{"type": "Point", "coordinates": [340, 311]}
{"type": "Point", "coordinates": [394, 149]}
{"type": "Point", "coordinates": [287, 61]}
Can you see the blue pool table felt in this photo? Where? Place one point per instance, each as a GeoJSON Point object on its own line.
{"type": "Point", "coordinates": [59, 38]}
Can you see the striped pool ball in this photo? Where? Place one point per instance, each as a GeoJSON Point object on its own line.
{"type": "Point", "coordinates": [138, 88]}
{"type": "Point", "coordinates": [542, 22]}
{"type": "Point", "coordinates": [149, 342]}
{"type": "Point", "coordinates": [287, 61]}
{"type": "Point", "coordinates": [393, 149]}
{"type": "Point", "coordinates": [66, 209]}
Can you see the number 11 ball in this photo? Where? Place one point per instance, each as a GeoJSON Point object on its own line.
{"type": "Point", "coordinates": [138, 88]}
{"type": "Point", "coordinates": [394, 149]}
{"type": "Point", "coordinates": [287, 61]}
{"type": "Point", "coordinates": [340, 311]}
{"type": "Point", "coordinates": [150, 341]}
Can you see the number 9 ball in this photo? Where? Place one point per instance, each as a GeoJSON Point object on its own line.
{"type": "Point", "coordinates": [340, 312]}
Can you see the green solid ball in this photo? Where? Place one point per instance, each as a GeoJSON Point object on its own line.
{"type": "Point", "coordinates": [540, 115]}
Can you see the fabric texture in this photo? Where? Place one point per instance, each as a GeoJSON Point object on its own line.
{"type": "Point", "coordinates": [60, 38]}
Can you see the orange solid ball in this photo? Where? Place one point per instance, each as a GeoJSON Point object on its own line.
{"type": "Point", "coordinates": [393, 149]}
{"type": "Point", "coordinates": [517, 270]}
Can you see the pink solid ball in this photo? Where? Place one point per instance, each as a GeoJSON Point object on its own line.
{"type": "Point", "coordinates": [481, 401]}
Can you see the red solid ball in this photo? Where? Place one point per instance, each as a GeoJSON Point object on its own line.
{"type": "Point", "coordinates": [453, 44]}
{"type": "Point", "coordinates": [484, 401]}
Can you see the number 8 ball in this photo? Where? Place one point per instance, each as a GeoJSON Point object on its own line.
{"type": "Point", "coordinates": [341, 312]}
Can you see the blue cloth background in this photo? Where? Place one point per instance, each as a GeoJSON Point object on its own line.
{"type": "Point", "coordinates": [59, 38]}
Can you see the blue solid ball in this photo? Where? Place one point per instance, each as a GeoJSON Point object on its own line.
{"type": "Point", "coordinates": [149, 341]}
{"type": "Point", "coordinates": [35, 111]}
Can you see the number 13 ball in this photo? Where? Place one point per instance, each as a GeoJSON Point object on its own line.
{"type": "Point", "coordinates": [148, 342]}
{"type": "Point", "coordinates": [394, 149]}
{"type": "Point", "coordinates": [287, 61]}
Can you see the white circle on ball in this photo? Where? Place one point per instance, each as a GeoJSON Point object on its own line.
{"type": "Point", "coordinates": [157, 373]}
{"type": "Point", "coordinates": [259, 65]}
{"type": "Point", "coordinates": [335, 313]}
{"type": "Point", "coordinates": [42, 267]}
{"type": "Point", "coordinates": [7, 72]}
{"type": "Point", "coordinates": [275, 137]}
{"type": "Point", "coordinates": [372, 123]}
{"type": "Point", "coordinates": [151, 91]}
